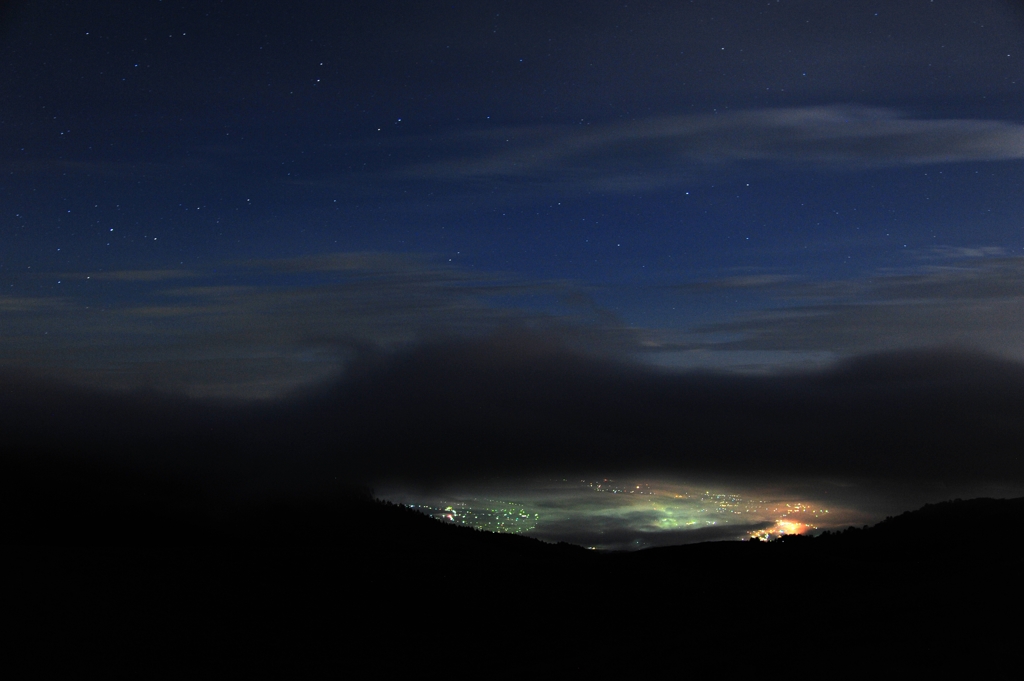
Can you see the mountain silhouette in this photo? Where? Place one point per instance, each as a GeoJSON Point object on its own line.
{"type": "Point", "coordinates": [124, 570]}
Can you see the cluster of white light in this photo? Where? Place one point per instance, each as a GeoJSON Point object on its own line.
{"type": "Point", "coordinates": [494, 515]}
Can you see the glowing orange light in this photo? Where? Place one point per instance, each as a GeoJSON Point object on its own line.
{"type": "Point", "coordinates": [790, 527]}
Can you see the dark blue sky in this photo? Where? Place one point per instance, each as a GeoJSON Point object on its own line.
{"type": "Point", "coordinates": [226, 197]}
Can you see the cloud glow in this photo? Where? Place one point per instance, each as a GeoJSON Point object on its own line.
{"type": "Point", "coordinates": [633, 513]}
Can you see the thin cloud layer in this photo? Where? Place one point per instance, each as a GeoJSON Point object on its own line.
{"type": "Point", "coordinates": [262, 329]}
{"type": "Point", "coordinates": [658, 152]}
{"type": "Point", "coordinates": [632, 533]}
{"type": "Point", "coordinates": [976, 302]}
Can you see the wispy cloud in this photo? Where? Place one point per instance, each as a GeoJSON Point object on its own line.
{"type": "Point", "coordinates": [260, 328]}
{"type": "Point", "coordinates": [140, 275]}
{"type": "Point", "coordinates": [31, 304]}
{"type": "Point", "coordinates": [656, 152]}
{"type": "Point", "coordinates": [974, 301]}
{"type": "Point", "coordinates": [742, 281]}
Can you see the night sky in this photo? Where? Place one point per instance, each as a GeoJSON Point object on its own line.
{"type": "Point", "coordinates": [773, 203]}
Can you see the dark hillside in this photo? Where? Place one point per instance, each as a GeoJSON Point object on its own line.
{"type": "Point", "coordinates": [958, 531]}
{"type": "Point", "coordinates": [122, 570]}
{"type": "Point", "coordinates": [65, 501]}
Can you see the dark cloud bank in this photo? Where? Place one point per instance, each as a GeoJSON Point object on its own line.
{"type": "Point", "coordinates": [518, 406]}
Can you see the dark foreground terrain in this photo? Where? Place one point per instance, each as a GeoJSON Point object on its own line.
{"type": "Point", "coordinates": [108, 567]}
